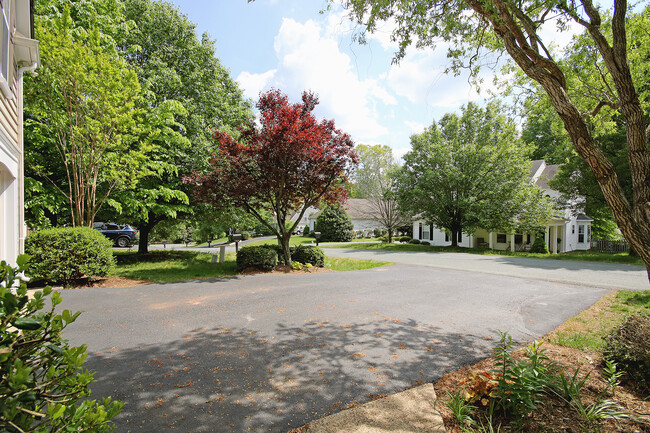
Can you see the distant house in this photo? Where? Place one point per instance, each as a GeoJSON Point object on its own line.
{"type": "Point", "coordinates": [566, 232]}
{"type": "Point", "coordinates": [18, 54]}
{"type": "Point", "coordinates": [361, 211]}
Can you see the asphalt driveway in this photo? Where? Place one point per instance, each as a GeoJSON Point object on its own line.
{"type": "Point", "coordinates": [266, 353]}
{"type": "Point", "coordinates": [595, 274]}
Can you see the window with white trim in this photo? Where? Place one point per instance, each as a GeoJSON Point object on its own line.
{"type": "Point", "coordinates": [5, 43]}
{"type": "Point", "coordinates": [581, 233]}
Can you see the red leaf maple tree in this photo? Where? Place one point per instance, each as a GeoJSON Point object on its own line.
{"type": "Point", "coordinates": [290, 162]}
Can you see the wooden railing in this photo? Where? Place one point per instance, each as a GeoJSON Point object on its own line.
{"type": "Point", "coordinates": [610, 247]}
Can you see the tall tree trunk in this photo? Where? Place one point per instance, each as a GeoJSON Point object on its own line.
{"type": "Point", "coordinates": [286, 247]}
{"type": "Point", "coordinates": [633, 220]}
{"type": "Point", "coordinates": [145, 230]}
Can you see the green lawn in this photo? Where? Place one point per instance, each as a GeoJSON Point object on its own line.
{"type": "Point", "coordinates": [588, 256]}
{"type": "Point", "coordinates": [295, 240]}
{"type": "Point", "coordinates": [168, 266]}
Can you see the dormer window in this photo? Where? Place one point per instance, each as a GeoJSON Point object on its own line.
{"type": "Point", "coordinates": [5, 44]}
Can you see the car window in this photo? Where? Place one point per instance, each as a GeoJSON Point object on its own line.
{"type": "Point", "coordinates": [112, 227]}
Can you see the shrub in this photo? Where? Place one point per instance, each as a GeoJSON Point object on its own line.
{"type": "Point", "coordinates": [379, 232]}
{"type": "Point", "coordinates": [383, 238]}
{"type": "Point", "coordinates": [539, 246]}
{"type": "Point", "coordinates": [308, 254]}
{"type": "Point", "coordinates": [259, 257]}
{"type": "Point", "coordinates": [41, 379]}
{"type": "Point", "coordinates": [629, 348]}
{"type": "Point", "coordinates": [305, 231]}
{"type": "Point", "coordinates": [405, 239]}
{"type": "Point", "coordinates": [67, 254]}
{"type": "Point", "coordinates": [414, 242]}
{"type": "Point", "coordinates": [245, 236]}
{"type": "Point", "coordinates": [222, 235]}
{"type": "Point", "coordinates": [334, 224]}
{"type": "Point", "coordinates": [427, 243]}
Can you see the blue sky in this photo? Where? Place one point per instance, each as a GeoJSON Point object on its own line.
{"type": "Point", "coordinates": [289, 45]}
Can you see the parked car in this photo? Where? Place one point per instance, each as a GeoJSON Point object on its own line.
{"type": "Point", "coordinates": [122, 235]}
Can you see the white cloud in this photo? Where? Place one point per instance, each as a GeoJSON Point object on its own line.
{"type": "Point", "coordinates": [420, 77]}
{"type": "Point", "coordinates": [309, 58]}
{"type": "Point", "coordinates": [252, 84]}
{"type": "Point", "coordinates": [416, 127]}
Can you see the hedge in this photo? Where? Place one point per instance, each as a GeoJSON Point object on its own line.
{"type": "Point", "coordinates": [63, 255]}
{"type": "Point", "coordinates": [259, 257]}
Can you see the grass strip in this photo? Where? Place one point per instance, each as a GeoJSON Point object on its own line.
{"type": "Point", "coordinates": [585, 256]}
{"type": "Point", "coordinates": [589, 329]}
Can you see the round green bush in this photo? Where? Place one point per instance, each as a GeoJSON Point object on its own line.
{"type": "Point", "coordinates": [405, 239]}
{"type": "Point", "coordinates": [305, 231]}
{"type": "Point", "coordinates": [383, 238]}
{"type": "Point", "coordinates": [222, 235]}
{"type": "Point", "coordinates": [427, 243]}
{"type": "Point", "coordinates": [259, 257]}
{"type": "Point", "coordinates": [539, 246]}
{"type": "Point", "coordinates": [629, 348]}
{"type": "Point", "coordinates": [414, 242]}
{"type": "Point", "coordinates": [309, 254]}
{"type": "Point", "coordinates": [334, 224]}
{"type": "Point", "coordinates": [66, 254]}
{"type": "Point", "coordinates": [245, 236]}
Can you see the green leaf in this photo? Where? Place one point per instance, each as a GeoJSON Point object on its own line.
{"type": "Point", "coordinates": [55, 349]}
{"type": "Point", "coordinates": [27, 323]}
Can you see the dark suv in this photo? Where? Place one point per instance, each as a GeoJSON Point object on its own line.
{"type": "Point", "coordinates": [122, 235]}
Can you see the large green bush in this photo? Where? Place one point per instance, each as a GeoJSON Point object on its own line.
{"type": "Point", "coordinates": [539, 246]}
{"type": "Point", "coordinates": [68, 254]}
{"type": "Point", "coordinates": [334, 224]}
{"type": "Point", "coordinates": [308, 254]}
{"type": "Point", "coordinates": [42, 385]}
{"type": "Point", "coordinates": [629, 348]}
{"type": "Point", "coordinates": [259, 257]}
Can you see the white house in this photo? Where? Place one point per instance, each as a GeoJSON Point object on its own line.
{"type": "Point", "coordinates": [565, 232]}
{"type": "Point", "coordinates": [361, 212]}
{"type": "Point", "coordinates": [18, 54]}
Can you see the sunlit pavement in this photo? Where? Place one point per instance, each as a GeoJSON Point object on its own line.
{"type": "Point", "coordinates": [266, 353]}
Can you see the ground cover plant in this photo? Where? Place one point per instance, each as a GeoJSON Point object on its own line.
{"type": "Point", "coordinates": [550, 387]}
{"type": "Point", "coordinates": [43, 387]}
{"type": "Point", "coordinates": [586, 256]}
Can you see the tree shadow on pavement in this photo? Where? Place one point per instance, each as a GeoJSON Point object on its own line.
{"type": "Point", "coordinates": [236, 380]}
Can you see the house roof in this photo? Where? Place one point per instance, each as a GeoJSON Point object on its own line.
{"type": "Point", "coordinates": [583, 217]}
{"type": "Point", "coordinates": [549, 172]}
{"type": "Point", "coordinates": [357, 208]}
{"type": "Point", "coordinates": [535, 167]}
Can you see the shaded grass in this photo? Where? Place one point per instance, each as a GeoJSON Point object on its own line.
{"type": "Point", "coordinates": [585, 256]}
{"type": "Point", "coordinates": [168, 266]}
{"type": "Point", "coordinates": [589, 329]}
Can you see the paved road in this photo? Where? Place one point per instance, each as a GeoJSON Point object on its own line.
{"type": "Point", "coordinates": [266, 353]}
{"type": "Point", "coordinates": [595, 274]}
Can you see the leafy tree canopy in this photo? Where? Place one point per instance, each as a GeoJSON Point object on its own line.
{"type": "Point", "coordinates": [292, 161]}
{"type": "Point", "coordinates": [471, 171]}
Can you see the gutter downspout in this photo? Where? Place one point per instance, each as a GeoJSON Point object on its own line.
{"type": "Point", "coordinates": [22, 227]}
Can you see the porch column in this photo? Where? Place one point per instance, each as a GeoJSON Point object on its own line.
{"type": "Point", "coordinates": [512, 242]}
{"type": "Point", "coordinates": [553, 239]}
{"type": "Point", "coordinates": [490, 242]}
